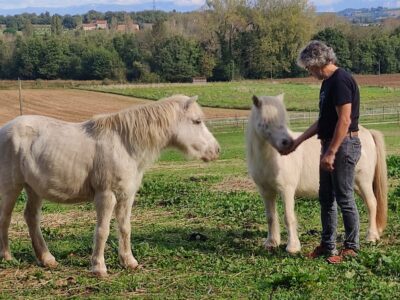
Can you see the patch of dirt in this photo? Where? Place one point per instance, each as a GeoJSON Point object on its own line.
{"type": "Point", "coordinates": [78, 105]}
{"type": "Point", "coordinates": [68, 105]}
{"type": "Point", "coordinates": [235, 184]}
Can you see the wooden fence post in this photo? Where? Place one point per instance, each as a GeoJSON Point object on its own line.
{"type": "Point", "coordinates": [20, 97]}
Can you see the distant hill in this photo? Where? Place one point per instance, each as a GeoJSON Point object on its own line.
{"type": "Point", "coordinates": [82, 9]}
{"type": "Point", "coordinates": [369, 15]}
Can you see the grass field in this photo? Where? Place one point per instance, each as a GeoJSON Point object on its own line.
{"type": "Point", "coordinates": [298, 96]}
{"type": "Point", "coordinates": [216, 202]}
{"type": "Point", "coordinates": [198, 229]}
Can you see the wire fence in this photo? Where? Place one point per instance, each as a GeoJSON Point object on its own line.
{"type": "Point", "coordinates": [376, 115]}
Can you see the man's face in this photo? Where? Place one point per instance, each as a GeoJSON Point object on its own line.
{"type": "Point", "coordinates": [316, 72]}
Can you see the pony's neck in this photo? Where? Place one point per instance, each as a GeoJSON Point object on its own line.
{"type": "Point", "coordinates": [143, 131]}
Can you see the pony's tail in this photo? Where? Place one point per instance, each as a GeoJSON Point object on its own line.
{"type": "Point", "coordinates": [380, 183]}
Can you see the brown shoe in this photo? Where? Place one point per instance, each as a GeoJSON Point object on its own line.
{"type": "Point", "coordinates": [320, 251]}
{"type": "Point", "coordinates": [337, 259]}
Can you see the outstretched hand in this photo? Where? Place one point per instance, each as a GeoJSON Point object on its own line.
{"type": "Point", "coordinates": [293, 146]}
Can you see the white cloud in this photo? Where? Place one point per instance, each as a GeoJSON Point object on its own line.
{"type": "Point", "coordinates": [326, 2]}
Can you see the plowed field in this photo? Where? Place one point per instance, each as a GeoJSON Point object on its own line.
{"type": "Point", "coordinates": [77, 105]}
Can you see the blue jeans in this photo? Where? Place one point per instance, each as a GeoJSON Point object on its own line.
{"type": "Point", "coordinates": [337, 188]}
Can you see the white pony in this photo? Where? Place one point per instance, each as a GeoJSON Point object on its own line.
{"type": "Point", "coordinates": [297, 174]}
{"type": "Point", "coordinates": [100, 160]}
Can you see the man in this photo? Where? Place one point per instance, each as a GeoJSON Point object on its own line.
{"type": "Point", "coordinates": [337, 128]}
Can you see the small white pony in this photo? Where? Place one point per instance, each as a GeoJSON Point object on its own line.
{"type": "Point", "coordinates": [297, 174]}
{"type": "Point", "coordinates": [100, 160]}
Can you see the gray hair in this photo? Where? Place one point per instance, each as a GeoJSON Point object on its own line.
{"type": "Point", "coordinates": [316, 54]}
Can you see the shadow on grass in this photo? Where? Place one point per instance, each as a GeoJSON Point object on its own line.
{"type": "Point", "coordinates": [152, 243]}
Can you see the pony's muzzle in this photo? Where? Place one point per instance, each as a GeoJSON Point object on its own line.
{"type": "Point", "coordinates": [212, 153]}
{"type": "Point", "coordinates": [286, 143]}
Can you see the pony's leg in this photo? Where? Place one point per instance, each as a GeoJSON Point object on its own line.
{"type": "Point", "coordinates": [367, 194]}
{"type": "Point", "coordinates": [293, 245]}
{"type": "Point", "coordinates": [32, 217]}
{"type": "Point", "coordinates": [123, 214]}
{"type": "Point", "coordinates": [104, 202]}
{"type": "Point", "coordinates": [7, 203]}
{"type": "Point", "coordinates": [274, 235]}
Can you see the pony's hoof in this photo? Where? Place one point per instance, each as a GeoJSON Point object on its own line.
{"type": "Point", "coordinates": [293, 249]}
{"type": "Point", "coordinates": [132, 265]}
{"type": "Point", "coordinates": [50, 264]}
{"type": "Point", "coordinates": [372, 237]}
{"type": "Point", "coordinates": [6, 256]}
{"type": "Point", "coordinates": [129, 262]}
{"type": "Point", "coordinates": [99, 272]}
{"type": "Point", "coordinates": [271, 245]}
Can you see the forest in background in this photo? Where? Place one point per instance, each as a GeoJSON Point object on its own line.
{"type": "Point", "coordinates": [230, 40]}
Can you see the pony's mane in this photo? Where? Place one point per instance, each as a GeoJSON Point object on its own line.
{"type": "Point", "coordinates": [143, 126]}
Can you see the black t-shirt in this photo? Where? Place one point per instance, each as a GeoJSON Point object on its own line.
{"type": "Point", "coordinates": [339, 89]}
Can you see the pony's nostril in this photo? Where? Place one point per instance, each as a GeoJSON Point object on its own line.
{"type": "Point", "coordinates": [285, 142]}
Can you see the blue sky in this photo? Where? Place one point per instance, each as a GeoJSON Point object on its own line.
{"type": "Point", "coordinates": [337, 5]}
{"type": "Point", "coordinates": [182, 5]}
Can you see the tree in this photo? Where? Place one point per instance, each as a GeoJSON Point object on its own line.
{"type": "Point", "coordinates": [56, 25]}
{"type": "Point", "coordinates": [113, 23]}
{"type": "Point", "coordinates": [275, 32]}
{"type": "Point", "coordinates": [93, 15]}
{"type": "Point", "coordinates": [52, 58]}
{"type": "Point", "coordinates": [7, 60]}
{"type": "Point", "coordinates": [28, 57]}
{"type": "Point", "coordinates": [100, 63]}
{"type": "Point", "coordinates": [28, 28]}
{"type": "Point", "coordinates": [69, 22]}
{"type": "Point", "coordinates": [128, 49]}
{"type": "Point", "coordinates": [363, 56]}
{"type": "Point", "coordinates": [385, 54]}
{"type": "Point", "coordinates": [177, 59]}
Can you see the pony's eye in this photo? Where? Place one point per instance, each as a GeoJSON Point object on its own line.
{"type": "Point", "coordinates": [197, 122]}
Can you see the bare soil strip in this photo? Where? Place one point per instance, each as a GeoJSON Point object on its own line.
{"type": "Point", "coordinates": [78, 105]}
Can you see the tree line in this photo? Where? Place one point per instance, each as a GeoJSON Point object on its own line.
{"type": "Point", "coordinates": [231, 39]}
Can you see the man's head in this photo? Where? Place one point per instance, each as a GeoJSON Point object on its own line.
{"type": "Point", "coordinates": [315, 57]}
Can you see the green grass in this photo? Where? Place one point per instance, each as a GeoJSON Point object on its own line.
{"type": "Point", "coordinates": [238, 94]}
{"type": "Point", "coordinates": [178, 199]}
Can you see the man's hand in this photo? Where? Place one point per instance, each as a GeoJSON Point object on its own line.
{"type": "Point", "coordinates": [291, 148]}
{"type": "Point", "coordinates": [327, 161]}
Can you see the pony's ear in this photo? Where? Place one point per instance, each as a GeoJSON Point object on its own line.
{"type": "Point", "coordinates": [190, 101]}
{"type": "Point", "coordinates": [281, 96]}
{"type": "Point", "coordinates": [256, 101]}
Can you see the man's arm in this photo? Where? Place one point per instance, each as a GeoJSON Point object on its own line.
{"type": "Point", "coordinates": [311, 131]}
{"type": "Point", "coordinates": [342, 127]}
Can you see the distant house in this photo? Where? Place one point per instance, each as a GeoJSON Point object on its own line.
{"type": "Point", "coordinates": [127, 27]}
{"type": "Point", "coordinates": [101, 24]}
{"type": "Point", "coordinates": [98, 24]}
{"type": "Point", "coordinates": [147, 26]}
